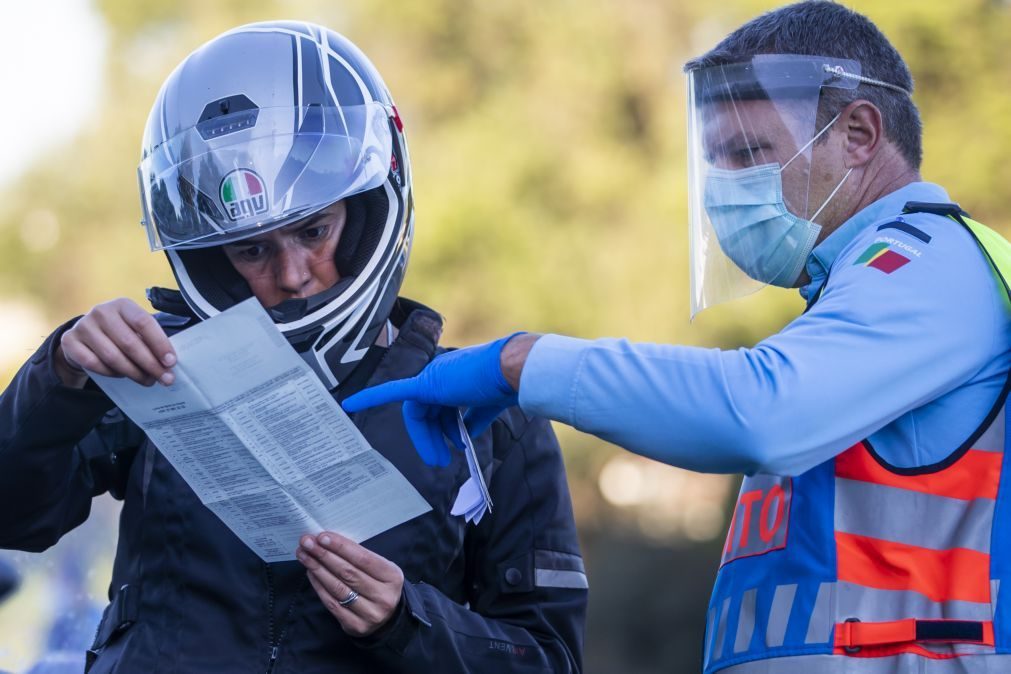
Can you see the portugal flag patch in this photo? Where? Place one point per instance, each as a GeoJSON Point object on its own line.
{"type": "Point", "coordinates": [880, 256]}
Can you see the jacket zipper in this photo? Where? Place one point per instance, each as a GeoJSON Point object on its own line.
{"type": "Point", "coordinates": [275, 643]}
{"type": "Point", "coordinates": [270, 618]}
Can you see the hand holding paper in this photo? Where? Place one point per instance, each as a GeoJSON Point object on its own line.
{"type": "Point", "coordinates": [259, 439]}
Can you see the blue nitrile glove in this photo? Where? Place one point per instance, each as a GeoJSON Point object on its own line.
{"type": "Point", "coordinates": [470, 377]}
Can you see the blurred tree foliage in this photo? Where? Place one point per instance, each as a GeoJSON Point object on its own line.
{"type": "Point", "coordinates": [548, 143]}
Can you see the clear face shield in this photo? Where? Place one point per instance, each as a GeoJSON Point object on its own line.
{"type": "Point", "coordinates": [752, 127]}
{"type": "Point", "coordinates": [257, 170]}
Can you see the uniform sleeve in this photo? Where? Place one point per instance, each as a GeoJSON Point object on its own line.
{"type": "Point", "coordinates": [53, 457]}
{"type": "Point", "coordinates": [886, 337]}
{"type": "Point", "coordinates": [527, 605]}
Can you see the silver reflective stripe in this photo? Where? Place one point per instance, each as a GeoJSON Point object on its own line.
{"type": "Point", "coordinates": [897, 664]}
{"type": "Point", "coordinates": [554, 578]}
{"type": "Point", "coordinates": [956, 649]}
{"type": "Point", "coordinates": [746, 621]}
{"type": "Point", "coordinates": [721, 629]}
{"type": "Point", "coordinates": [779, 615]}
{"type": "Point", "coordinates": [911, 517]}
{"type": "Point", "coordinates": [873, 605]}
{"type": "Point", "coordinates": [994, 589]}
{"type": "Point", "coordinates": [559, 569]}
{"type": "Point", "coordinates": [992, 439]}
{"type": "Point", "coordinates": [819, 629]}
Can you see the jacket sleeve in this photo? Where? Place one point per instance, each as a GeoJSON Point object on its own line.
{"type": "Point", "coordinates": [874, 347]}
{"type": "Point", "coordinates": [54, 453]}
{"type": "Point", "coordinates": [528, 589]}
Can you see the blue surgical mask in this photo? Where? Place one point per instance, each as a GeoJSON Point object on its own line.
{"type": "Point", "coordinates": [754, 227]}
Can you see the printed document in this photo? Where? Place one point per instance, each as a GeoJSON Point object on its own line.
{"type": "Point", "coordinates": [257, 436]}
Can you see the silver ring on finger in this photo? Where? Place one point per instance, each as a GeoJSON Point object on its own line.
{"type": "Point", "coordinates": [348, 600]}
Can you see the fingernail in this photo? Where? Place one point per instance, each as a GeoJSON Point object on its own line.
{"type": "Point", "coordinates": [324, 539]}
{"type": "Point", "coordinates": [169, 359]}
{"type": "Point", "coordinates": [308, 544]}
{"type": "Point", "coordinates": [167, 379]}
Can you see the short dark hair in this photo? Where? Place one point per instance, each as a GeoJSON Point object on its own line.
{"type": "Point", "coordinates": [825, 28]}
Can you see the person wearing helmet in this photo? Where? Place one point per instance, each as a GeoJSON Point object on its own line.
{"type": "Point", "coordinates": [275, 166]}
{"type": "Point", "coordinates": [871, 532]}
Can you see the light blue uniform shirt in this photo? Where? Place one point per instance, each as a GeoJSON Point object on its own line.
{"type": "Point", "coordinates": [913, 359]}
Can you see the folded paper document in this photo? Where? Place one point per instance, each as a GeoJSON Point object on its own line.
{"type": "Point", "coordinates": [262, 443]}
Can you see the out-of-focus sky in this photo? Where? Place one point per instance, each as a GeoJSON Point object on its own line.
{"type": "Point", "coordinates": [52, 59]}
{"type": "Point", "coordinates": [51, 63]}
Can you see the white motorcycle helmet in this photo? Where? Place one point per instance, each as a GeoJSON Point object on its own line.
{"type": "Point", "coordinates": [265, 125]}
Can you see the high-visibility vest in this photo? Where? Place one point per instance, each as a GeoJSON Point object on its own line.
{"type": "Point", "coordinates": [858, 566]}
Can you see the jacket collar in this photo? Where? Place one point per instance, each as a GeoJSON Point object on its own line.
{"type": "Point", "coordinates": [419, 326]}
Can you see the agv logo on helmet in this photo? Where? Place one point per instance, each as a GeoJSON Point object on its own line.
{"type": "Point", "coordinates": [243, 194]}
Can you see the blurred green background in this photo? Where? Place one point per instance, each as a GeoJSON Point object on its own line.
{"type": "Point", "coordinates": [548, 146]}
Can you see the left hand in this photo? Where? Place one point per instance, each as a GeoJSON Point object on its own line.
{"type": "Point", "coordinates": [337, 566]}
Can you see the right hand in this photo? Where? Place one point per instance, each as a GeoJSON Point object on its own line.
{"type": "Point", "coordinates": [116, 339]}
{"type": "Point", "coordinates": [470, 378]}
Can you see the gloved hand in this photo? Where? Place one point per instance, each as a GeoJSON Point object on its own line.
{"type": "Point", "coordinates": [470, 377]}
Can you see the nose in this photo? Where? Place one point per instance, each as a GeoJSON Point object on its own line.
{"type": "Point", "coordinates": [292, 270]}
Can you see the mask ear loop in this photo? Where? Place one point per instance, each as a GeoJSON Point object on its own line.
{"type": "Point", "coordinates": [811, 142]}
{"type": "Point", "coordinates": [803, 149]}
{"type": "Point", "coordinates": [829, 198]}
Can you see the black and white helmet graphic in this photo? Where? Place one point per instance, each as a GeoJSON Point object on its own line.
{"type": "Point", "coordinates": [262, 126]}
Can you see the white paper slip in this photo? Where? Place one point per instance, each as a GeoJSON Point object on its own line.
{"type": "Point", "coordinates": [262, 443]}
{"type": "Point", "coordinates": [470, 504]}
{"type": "Point", "coordinates": [474, 499]}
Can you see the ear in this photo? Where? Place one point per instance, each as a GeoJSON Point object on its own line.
{"type": "Point", "coordinates": [861, 122]}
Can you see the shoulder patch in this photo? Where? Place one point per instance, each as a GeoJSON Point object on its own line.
{"type": "Point", "coordinates": [880, 255]}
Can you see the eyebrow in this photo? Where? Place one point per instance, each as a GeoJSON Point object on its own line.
{"type": "Point", "coordinates": [719, 148]}
{"type": "Point", "coordinates": [738, 140]}
{"type": "Point", "coordinates": [310, 221]}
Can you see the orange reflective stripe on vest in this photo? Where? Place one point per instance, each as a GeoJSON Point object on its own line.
{"type": "Point", "coordinates": [928, 533]}
{"type": "Point", "coordinates": [975, 475]}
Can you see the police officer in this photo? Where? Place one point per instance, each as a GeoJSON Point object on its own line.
{"type": "Point", "coordinates": [871, 534]}
{"type": "Point", "coordinates": [275, 166]}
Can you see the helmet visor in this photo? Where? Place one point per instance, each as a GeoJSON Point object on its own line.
{"type": "Point", "coordinates": [751, 127]}
{"type": "Point", "coordinates": [235, 175]}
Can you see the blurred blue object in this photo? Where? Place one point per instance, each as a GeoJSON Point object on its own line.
{"type": "Point", "coordinates": [9, 580]}
{"type": "Point", "coordinates": [76, 613]}
{"type": "Point", "coordinates": [59, 662]}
